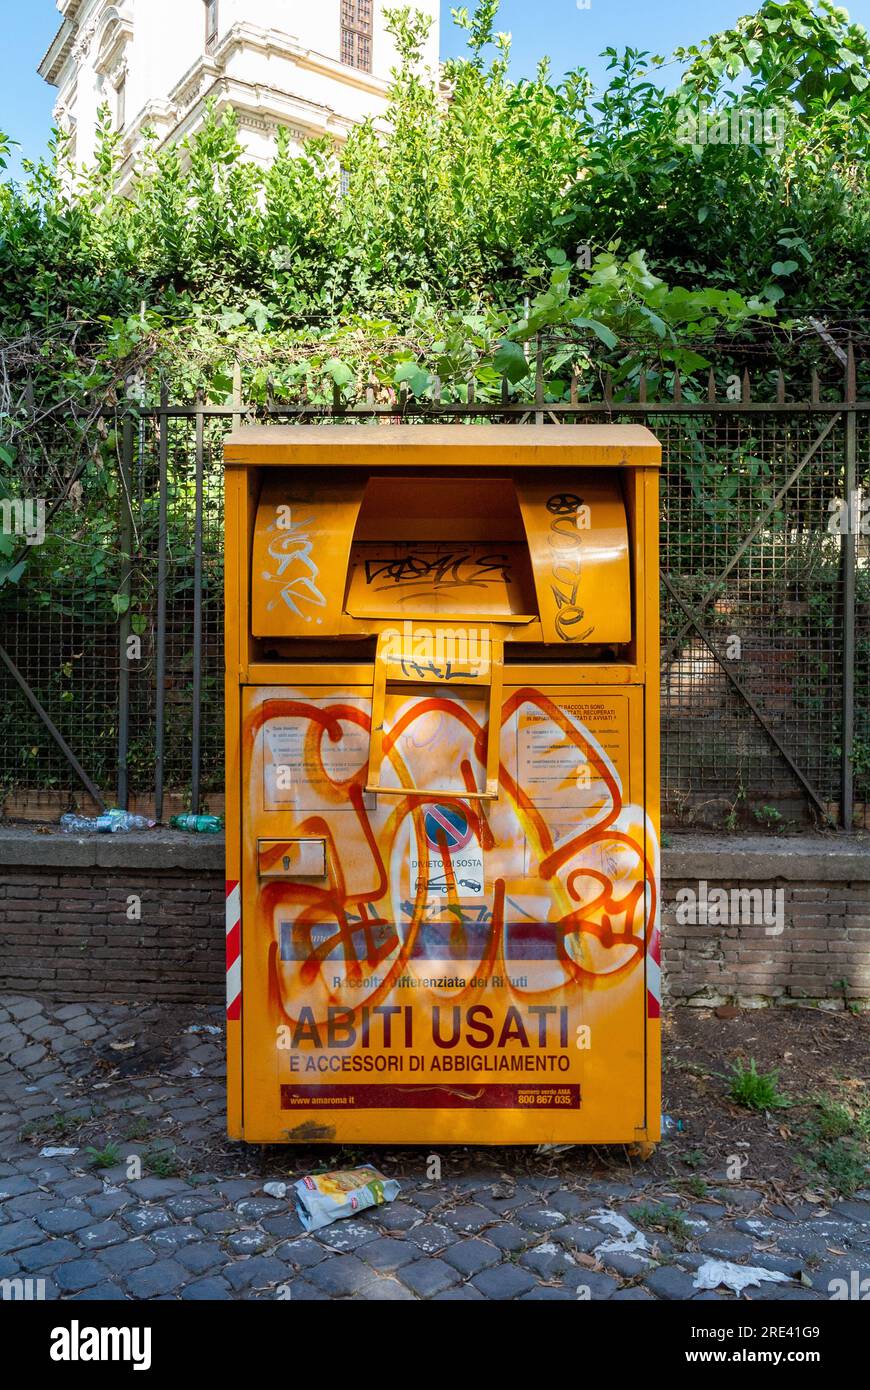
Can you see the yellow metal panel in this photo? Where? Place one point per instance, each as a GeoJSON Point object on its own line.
{"type": "Point", "coordinates": [460, 507]}
{"type": "Point", "coordinates": [481, 664]}
{"type": "Point", "coordinates": [491, 988]}
{"type": "Point", "coordinates": [578, 541]}
{"type": "Point", "coordinates": [545, 672]}
{"type": "Point", "coordinates": [648, 547]}
{"type": "Point", "coordinates": [439, 579]}
{"type": "Point", "coordinates": [301, 547]}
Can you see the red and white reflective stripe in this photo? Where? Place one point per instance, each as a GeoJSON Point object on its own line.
{"type": "Point", "coordinates": [654, 974]}
{"type": "Point", "coordinates": [234, 949]}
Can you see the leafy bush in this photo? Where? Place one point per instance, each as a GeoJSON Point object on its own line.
{"type": "Point", "coordinates": [476, 194]}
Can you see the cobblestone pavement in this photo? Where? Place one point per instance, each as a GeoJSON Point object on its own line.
{"type": "Point", "coordinates": [148, 1081]}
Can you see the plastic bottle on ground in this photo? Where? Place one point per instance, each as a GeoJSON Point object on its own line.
{"type": "Point", "coordinates": [200, 824]}
{"type": "Point", "coordinates": [110, 822]}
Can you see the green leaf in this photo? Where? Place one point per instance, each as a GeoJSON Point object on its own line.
{"type": "Point", "coordinates": [601, 331]}
{"type": "Point", "coordinates": [259, 313]}
{"type": "Point", "coordinates": [12, 576]}
{"type": "Point", "coordinates": [339, 371]}
{"type": "Point", "coordinates": [416, 378]}
{"type": "Point", "coordinates": [783, 267]}
{"type": "Point", "coordinates": [510, 361]}
{"type": "Point", "coordinates": [660, 328]}
{"type": "Point", "coordinates": [685, 359]}
{"type": "Point", "coordinates": [221, 383]}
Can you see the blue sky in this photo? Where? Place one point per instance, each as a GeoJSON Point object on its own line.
{"type": "Point", "coordinates": [572, 37]}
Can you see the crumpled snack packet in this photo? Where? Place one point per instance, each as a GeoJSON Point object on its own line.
{"type": "Point", "coordinates": [329, 1196]}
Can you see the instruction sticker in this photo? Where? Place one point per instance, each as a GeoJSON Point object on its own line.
{"type": "Point", "coordinates": [311, 755]}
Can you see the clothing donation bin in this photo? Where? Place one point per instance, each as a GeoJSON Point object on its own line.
{"type": "Point", "coordinates": [442, 784]}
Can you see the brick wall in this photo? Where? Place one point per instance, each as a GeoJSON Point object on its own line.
{"type": "Point", "coordinates": [65, 929]}
{"type": "Point", "coordinates": [822, 953]}
{"type": "Point", "coordinates": [68, 935]}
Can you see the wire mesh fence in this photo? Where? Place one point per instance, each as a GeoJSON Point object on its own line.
{"type": "Point", "coordinates": [752, 618]}
{"type": "Point", "coordinates": [112, 642]}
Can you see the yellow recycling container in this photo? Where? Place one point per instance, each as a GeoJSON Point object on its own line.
{"type": "Point", "coordinates": [442, 738]}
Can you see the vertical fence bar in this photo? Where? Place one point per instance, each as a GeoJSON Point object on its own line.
{"type": "Point", "coordinates": [125, 591]}
{"type": "Point", "coordinates": [160, 710]}
{"type": "Point", "coordinates": [848, 543]}
{"type": "Point", "coordinates": [237, 395]}
{"type": "Point", "coordinates": [539, 379]}
{"type": "Point", "coordinates": [140, 466]}
{"type": "Point", "coordinates": [196, 730]}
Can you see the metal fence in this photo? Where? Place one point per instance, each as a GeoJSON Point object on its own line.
{"type": "Point", "coordinates": [111, 669]}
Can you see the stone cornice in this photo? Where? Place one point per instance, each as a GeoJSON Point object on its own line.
{"type": "Point", "coordinates": [260, 109]}
{"type": "Point", "coordinates": [209, 67]}
{"type": "Point", "coordinates": [57, 53]}
{"type": "Point", "coordinates": [259, 106]}
{"type": "Point", "coordinates": [69, 37]}
{"type": "Point", "coordinates": [246, 35]}
{"type": "Point", "coordinates": [240, 36]}
{"type": "Point", "coordinates": [188, 88]}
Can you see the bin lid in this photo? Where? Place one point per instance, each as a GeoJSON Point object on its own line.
{"type": "Point", "coordinates": [366, 445]}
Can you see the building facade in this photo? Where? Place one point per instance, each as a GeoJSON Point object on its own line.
{"type": "Point", "coordinates": [314, 67]}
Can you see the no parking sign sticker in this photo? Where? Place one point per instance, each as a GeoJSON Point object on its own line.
{"type": "Point", "coordinates": [454, 864]}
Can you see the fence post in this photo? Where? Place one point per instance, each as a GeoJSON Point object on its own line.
{"type": "Point", "coordinates": [197, 616]}
{"type": "Point", "coordinates": [539, 379]}
{"type": "Point", "coordinates": [848, 542]}
{"type": "Point", "coordinates": [160, 666]}
{"type": "Point", "coordinates": [125, 592]}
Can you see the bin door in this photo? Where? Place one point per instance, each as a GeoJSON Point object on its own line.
{"type": "Point", "coordinates": [300, 551]}
{"type": "Point", "coordinates": [577, 536]}
{"type": "Point", "coordinates": [419, 963]}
